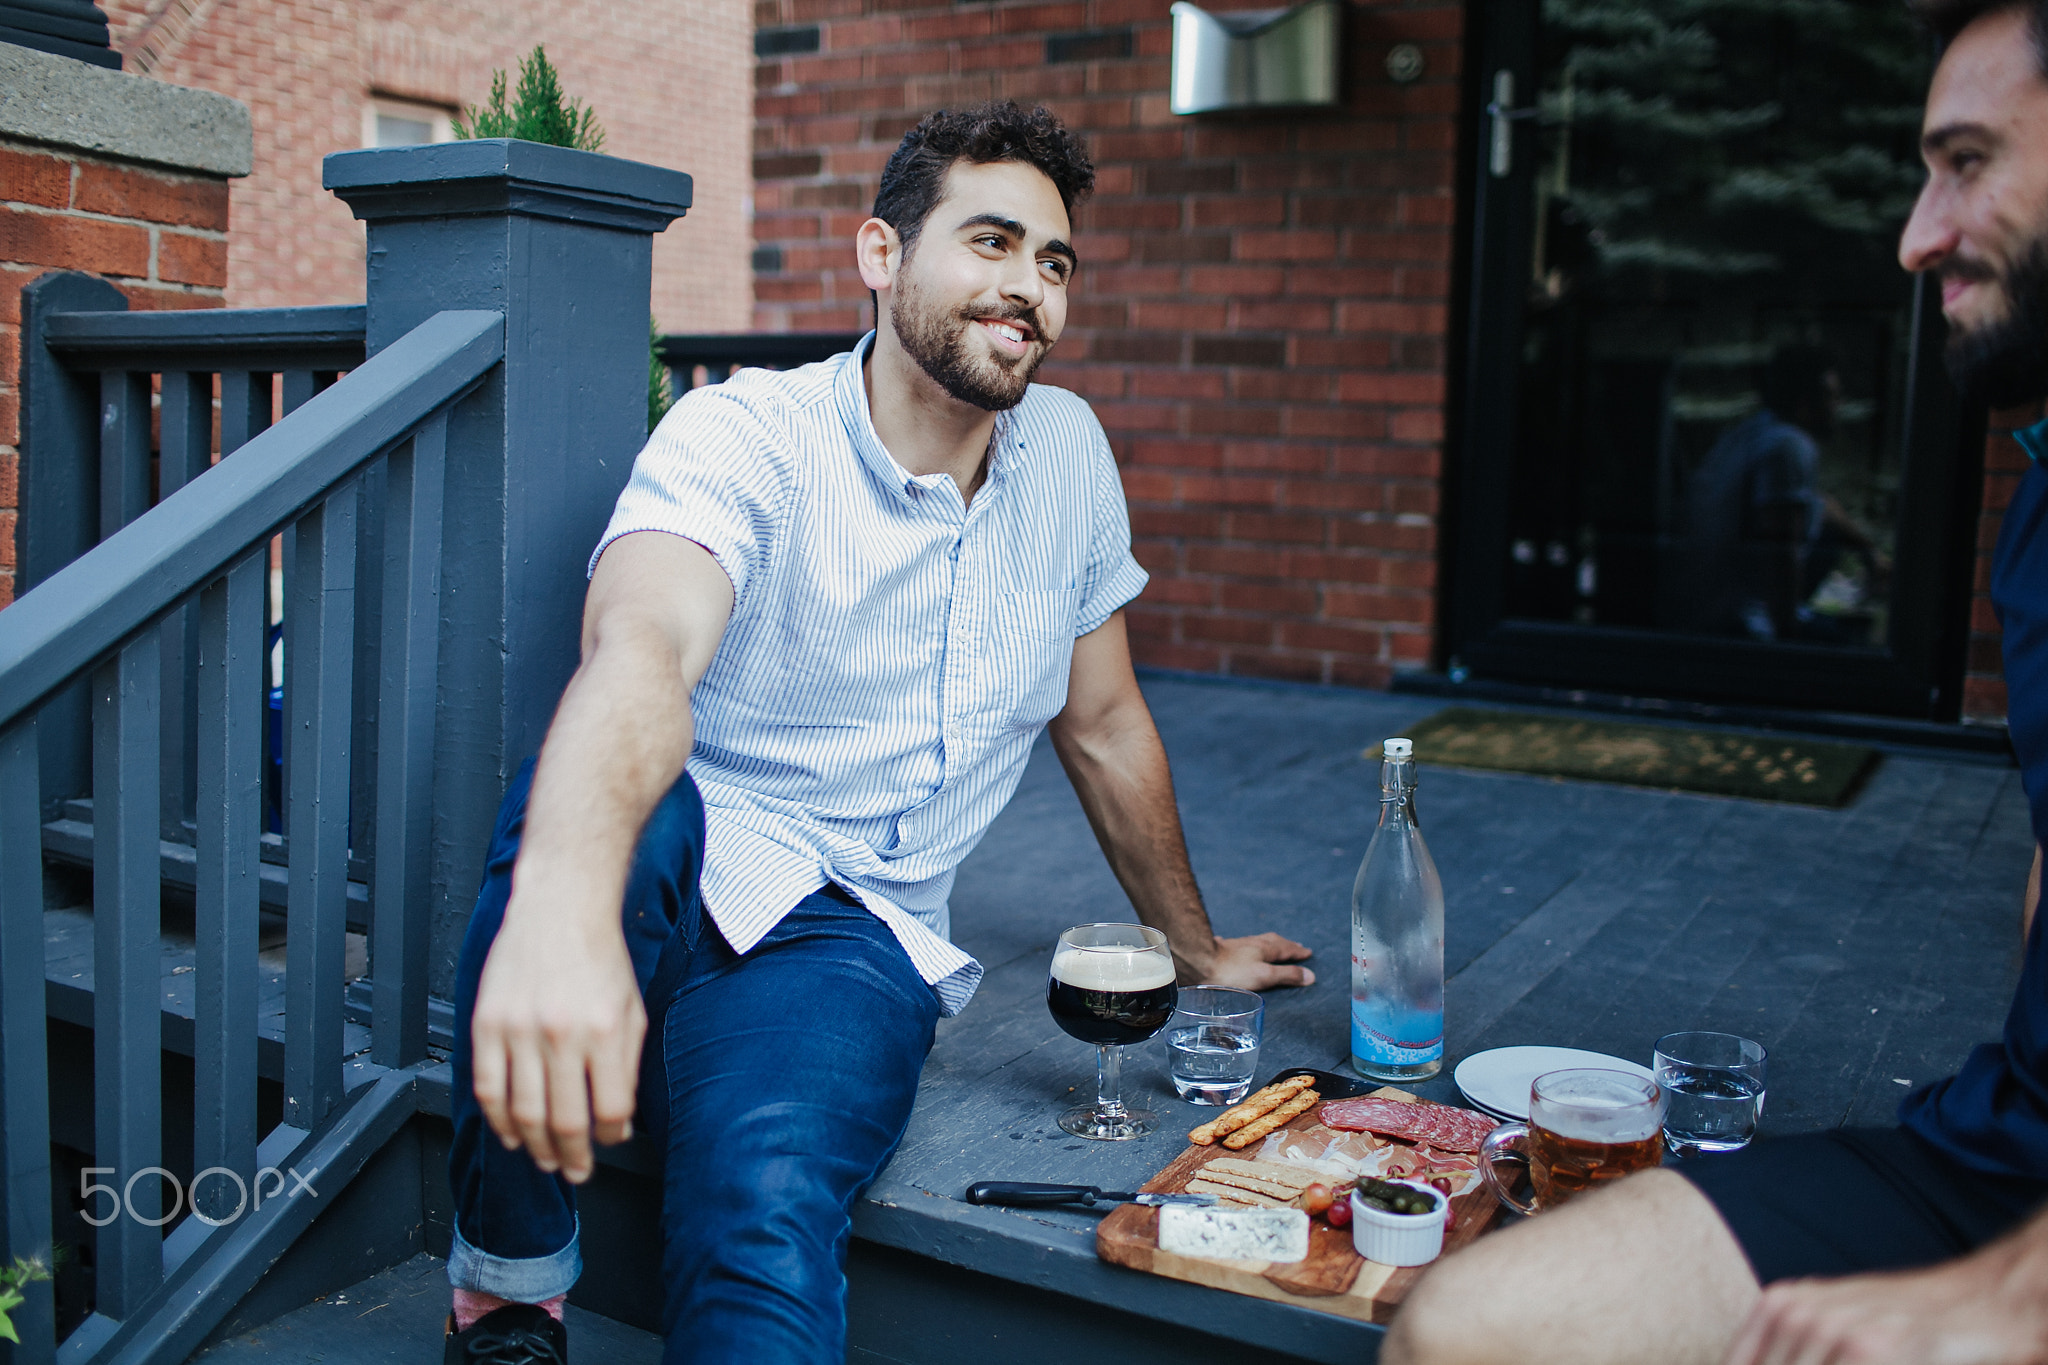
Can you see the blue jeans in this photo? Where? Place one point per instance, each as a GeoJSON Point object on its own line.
{"type": "Point", "coordinates": [778, 1084]}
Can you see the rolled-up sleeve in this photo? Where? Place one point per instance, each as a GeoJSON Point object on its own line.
{"type": "Point", "coordinates": [709, 474]}
{"type": "Point", "coordinates": [1111, 577]}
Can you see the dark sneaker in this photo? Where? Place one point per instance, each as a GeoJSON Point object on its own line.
{"type": "Point", "coordinates": [517, 1334]}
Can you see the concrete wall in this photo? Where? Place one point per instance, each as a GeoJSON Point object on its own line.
{"type": "Point", "coordinates": [668, 79]}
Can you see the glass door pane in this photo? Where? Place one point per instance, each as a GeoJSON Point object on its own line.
{"type": "Point", "coordinates": [1709, 419]}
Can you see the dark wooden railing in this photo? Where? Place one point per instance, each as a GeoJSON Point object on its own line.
{"type": "Point", "coordinates": [694, 360]}
{"type": "Point", "coordinates": [189, 574]}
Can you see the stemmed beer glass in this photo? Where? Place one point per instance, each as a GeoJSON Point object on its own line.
{"type": "Point", "coordinates": [1111, 985]}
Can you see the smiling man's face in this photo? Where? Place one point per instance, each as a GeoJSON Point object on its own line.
{"type": "Point", "coordinates": [1981, 223]}
{"type": "Point", "coordinates": [983, 294]}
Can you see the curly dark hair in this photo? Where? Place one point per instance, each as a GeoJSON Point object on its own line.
{"type": "Point", "coordinates": [915, 179]}
{"type": "Point", "coordinates": [1949, 17]}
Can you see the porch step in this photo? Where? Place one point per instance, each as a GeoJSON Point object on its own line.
{"type": "Point", "coordinates": [68, 974]}
{"type": "Point", "coordinates": [68, 840]}
{"type": "Point", "coordinates": [396, 1318]}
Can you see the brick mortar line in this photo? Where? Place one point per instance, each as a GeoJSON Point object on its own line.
{"type": "Point", "coordinates": [76, 159]}
{"type": "Point", "coordinates": [43, 211]}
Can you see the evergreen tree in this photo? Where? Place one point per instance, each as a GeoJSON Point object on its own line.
{"type": "Point", "coordinates": [539, 111]}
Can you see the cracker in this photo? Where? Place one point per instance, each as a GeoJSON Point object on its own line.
{"type": "Point", "coordinates": [1251, 1109]}
{"type": "Point", "coordinates": [1277, 1172]}
{"type": "Point", "coordinates": [1238, 1182]}
{"type": "Point", "coordinates": [1246, 1136]}
{"type": "Point", "coordinates": [1284, 1189]}
{"type": "Point", "coordinates": [1230, 1194]}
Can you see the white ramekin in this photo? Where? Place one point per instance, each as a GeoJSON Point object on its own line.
{"type": "Point", "coordinates": [1399, 1238]}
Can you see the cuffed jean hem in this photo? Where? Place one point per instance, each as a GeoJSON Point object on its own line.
{"type": "Point", "coordinates": [528, 1279]}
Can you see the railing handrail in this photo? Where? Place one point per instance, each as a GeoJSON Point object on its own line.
{"type": "Point", "coordinates": [752, 348]}
{"type": "Point", "coordinates": [216, 338]}
{"type": "Point", "coordinates": [65, 624]}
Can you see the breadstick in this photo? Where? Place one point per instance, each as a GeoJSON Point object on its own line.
{"type": "Point", "coordinates": [1245, 1136]}
{"type": "Point", "coordinates": [1267, 1100]}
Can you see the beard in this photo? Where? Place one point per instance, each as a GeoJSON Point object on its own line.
{"type": "Point", "coordinates": [2004, 364]}
{"type": "Point", "coordinates": [935, 336]}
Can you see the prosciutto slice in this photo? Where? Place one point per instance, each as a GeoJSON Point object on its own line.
{"type": "Point", "coordinates": [1440, 1126]}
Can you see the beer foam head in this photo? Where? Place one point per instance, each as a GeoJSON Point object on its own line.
{"type": "Point", "coordinates": [1112, 969]}
{"type": "Point", "coordinates": [1597, 1106]}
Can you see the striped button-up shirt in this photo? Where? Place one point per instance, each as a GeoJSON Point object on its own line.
{"type": "Point", "coordinates": [893, 650]}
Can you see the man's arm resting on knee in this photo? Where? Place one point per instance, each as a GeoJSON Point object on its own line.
{"type": "Point", "coordinates": [1987, 1308]}
{"type": "Point", "coordinates": [558, 1024]}
{"type": "Point", "coordinates": [1110, 748]}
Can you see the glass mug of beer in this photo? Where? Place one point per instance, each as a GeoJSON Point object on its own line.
{"type": "Point", "coordinates": [1585, 1127]}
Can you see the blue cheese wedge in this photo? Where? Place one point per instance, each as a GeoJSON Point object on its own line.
{"type": "Point", "coordinates": [1272, 1235]}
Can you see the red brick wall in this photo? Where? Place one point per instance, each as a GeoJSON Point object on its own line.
{"type": "Point", "coordinates": [1984, 670]}
{"type": "Point", "coordinates": [667, 78]}
{"type": "Point", "coordinates": [161, 237]}
{"type": "Point", "coordinates": [1260, 316]}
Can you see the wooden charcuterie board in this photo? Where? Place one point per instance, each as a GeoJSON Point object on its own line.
{"type": "Point", "coordinates": [1334, 1279]}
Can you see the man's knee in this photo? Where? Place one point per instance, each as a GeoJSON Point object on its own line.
{"type": "Point", "coordinates": [1648, 1259]}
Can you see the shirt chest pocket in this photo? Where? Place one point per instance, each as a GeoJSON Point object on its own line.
{"type": "Point", "coordinates": [1031, 651]}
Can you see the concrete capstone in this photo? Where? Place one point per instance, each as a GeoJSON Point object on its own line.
{"type": "Point", "coordinates": [70, 104]}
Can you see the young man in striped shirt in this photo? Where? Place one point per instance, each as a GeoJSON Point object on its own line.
{"type": "Point", "coordinates": [850, 596]}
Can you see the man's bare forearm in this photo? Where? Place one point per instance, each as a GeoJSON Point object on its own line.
{"type": "Point", "coordinates": [618, 743]}
{"type": "Point", "coordinates": [1119, 771]}
{"type": "Point", "coordinates": [657, 609]}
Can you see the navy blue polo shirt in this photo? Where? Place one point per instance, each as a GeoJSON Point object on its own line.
{"type": "Point", "coordinates": [1992, 1115]}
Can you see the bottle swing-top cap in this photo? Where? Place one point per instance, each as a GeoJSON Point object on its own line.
{"type": "Point", "coordinates": [1398, 748]}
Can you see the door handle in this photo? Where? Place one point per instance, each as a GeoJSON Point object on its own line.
{"type": "Point", "coordinates": [1504, 116]}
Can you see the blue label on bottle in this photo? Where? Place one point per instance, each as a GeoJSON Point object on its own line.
{"type": "Point", "coordinates": [1387, 1035]}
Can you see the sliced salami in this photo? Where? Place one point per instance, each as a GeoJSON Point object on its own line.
{"type": "Point", "coordinates": [1440, 1126]}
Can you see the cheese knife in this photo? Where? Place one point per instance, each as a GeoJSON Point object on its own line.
{"type": "Point", "coordinates": [1025, 1195]}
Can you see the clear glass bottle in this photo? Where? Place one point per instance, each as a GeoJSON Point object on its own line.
{"type": "Point", "coordinates": [1397, 938]}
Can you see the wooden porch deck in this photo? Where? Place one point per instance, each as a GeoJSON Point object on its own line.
{"type": "Point", "coordinates": [1869, 948]}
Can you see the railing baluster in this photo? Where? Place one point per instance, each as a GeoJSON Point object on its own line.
{"type": "Point", "coordinates": [24, 1060]}
{"type": "Point", "coordinates": [124, 449]}
{"type": "Point", "coordinates": [230, 813]}
{"type": "Point", "coordinates": [298, 386]}
{"type": "Point", "coordinates": [185, 426]}
{"type": "Point", "coordinates": [400, 919]}
{"type": "Point", "coordinates": [319, 626]}
{"type": "Point", "coordinates": [127, 969]}
{"type": "Point", "coordinates": [244, 408]}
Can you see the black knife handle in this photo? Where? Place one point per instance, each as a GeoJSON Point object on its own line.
{"type": "Point", "coordinates": [1023, 1194]}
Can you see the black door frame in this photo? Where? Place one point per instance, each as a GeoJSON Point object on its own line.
{"type": "Point", "coordinates": [1918, 673]}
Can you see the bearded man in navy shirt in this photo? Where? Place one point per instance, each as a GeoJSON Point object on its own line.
{"type": "Point", "coordinates": [1924, 1244]}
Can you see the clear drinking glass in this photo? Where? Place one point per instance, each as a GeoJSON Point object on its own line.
{"type": "Point", "coordinates": [1716, 1084]}
{"type": "Point", "coordinates": [1110, 985]}
{"type": "Point", "coordinates": [1212, 1043]}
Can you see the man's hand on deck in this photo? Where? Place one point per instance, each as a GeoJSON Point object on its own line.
{"type": "Point", "coordinates": [1256, 962]}
{"type": "Point", "coordinates": [556, 1041]}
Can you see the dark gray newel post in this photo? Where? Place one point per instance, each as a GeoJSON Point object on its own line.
{"type": "Point", "coordinates": [560, 242]}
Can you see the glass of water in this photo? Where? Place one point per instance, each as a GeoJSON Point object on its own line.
{"type": "Point", "coordinates": [1716, 1084]}
{"type": "Point", "coordinates": [1213, 1039]}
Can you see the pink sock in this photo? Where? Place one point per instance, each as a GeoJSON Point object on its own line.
{"type": "Point", "coordinates": [470, 1305]}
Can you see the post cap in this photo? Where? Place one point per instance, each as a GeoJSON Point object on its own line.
{"type": "Point", "coordinates": [1398, 748]}
{"type": "Point", "coordinates": [498, 175]}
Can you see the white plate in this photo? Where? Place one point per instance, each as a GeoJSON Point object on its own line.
{"type": "Point", "coordinates": [1498, 1080]}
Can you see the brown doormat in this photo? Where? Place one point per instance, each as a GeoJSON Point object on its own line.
{"type": "Point", "coordinates": [1762, 768]}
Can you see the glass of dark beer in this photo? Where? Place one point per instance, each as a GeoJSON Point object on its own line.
{"type": "Point", "coordinates": [1111, 985]}
{"type": "Point", "coordinates": [1585, 1126]}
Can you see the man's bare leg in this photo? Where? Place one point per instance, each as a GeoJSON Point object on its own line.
{"type": "Point", "coordinates": [1644, 1270]}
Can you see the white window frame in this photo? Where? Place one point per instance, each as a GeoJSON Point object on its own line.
{"type": "Point", "coordinates": [440, 118]}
